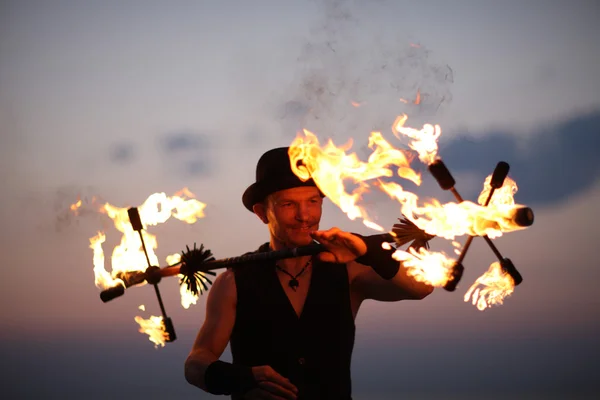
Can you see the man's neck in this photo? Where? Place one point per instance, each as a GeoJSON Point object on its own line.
{"type": "Point", "coordinates": [291, 265]}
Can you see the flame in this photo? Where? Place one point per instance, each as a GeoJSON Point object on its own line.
{"type": "Point", "coordinates": [331, 167]}
{"type": "Point", "coordinates": [503, 196]}
{"type": "Point", "coordinates": [356, 104]}
{"type": "Point", "coordinates": [424, 141]}
{"type": "Point", "coordinates": [128, 255]}
{"type": "Point", "coordinates": [187, 298]}
{"type": "Point", "coordinates": [454, 219]}
{"type": "Point", "coordinates": [418, 98]}
{"type": "Point", "coordinates": [491, 288]}
{"type": "Point", "coordinates": [457, 247]}
{"type": "Point", "coordinates": [154, 328]}
{"type": "Point", "coordinates": [75, 206]}
{"type": "Point", "coordinates": [432, 268]}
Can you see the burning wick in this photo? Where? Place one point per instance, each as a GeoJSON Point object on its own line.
{"type": "Point", "coordinates": [496, 182]}
{"type": "Point", "coordinates": [522, 216]}
{"type": "Point", "coordinates": [491, 288]}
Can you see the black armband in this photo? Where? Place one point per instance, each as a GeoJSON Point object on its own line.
{"type": "Point", "coordinates": [224, 378]}
{"type": "Point", "coordinates": [378, 258]}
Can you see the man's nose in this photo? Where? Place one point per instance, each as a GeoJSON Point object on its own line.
{"type": "Point", "coordinates": [303, 212]}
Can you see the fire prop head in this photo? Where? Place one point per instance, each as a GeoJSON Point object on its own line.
{"type": "Point", "coordinates": [495, 213]}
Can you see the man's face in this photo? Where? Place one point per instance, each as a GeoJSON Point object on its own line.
{"type": "Point", "coordinates": [292, 214]}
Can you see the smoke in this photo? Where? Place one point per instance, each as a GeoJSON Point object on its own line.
{"type": "Point", "coordinates": [355, 73]}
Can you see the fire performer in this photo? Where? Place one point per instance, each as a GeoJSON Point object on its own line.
{"type": "Point", "coordinates": [290, 323]}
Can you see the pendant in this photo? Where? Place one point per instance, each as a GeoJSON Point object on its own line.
{"type": "Point", "coordinates": [293, 283]}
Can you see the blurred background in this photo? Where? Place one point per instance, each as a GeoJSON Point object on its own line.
{"type": "Point", "coordinates": [122, 99]}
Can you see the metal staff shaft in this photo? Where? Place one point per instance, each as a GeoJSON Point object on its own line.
{"type": "Point", "coordinates": [136, 224]}
{"type": "Point", "coordinates": [154, 274]}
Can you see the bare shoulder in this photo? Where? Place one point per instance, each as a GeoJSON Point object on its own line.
{"type": "Point", "coordinates": [223, 289]}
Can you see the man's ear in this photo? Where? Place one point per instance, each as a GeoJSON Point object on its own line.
{"type": "Point", "coordinates": [261, 211]}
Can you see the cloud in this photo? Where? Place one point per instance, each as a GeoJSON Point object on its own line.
{"type": "Point", "coordinates": [184, 141]}
{"type": "Point", "coordinates": [122, 153]}
{"type": "Point", "coordinates": [549, 166]}
{"type": "Point", "coordinates": [188, 153]}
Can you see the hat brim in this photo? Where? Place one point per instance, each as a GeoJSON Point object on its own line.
{"type": "Point", "coordinates": [258, 191]}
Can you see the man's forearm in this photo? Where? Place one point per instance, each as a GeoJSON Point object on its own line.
{"type": "Point", "coordinates": [415, 289]}
{"type": "Point", "coordinates": [196, 365]}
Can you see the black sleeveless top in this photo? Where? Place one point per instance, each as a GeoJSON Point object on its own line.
{"type": "Point", "coordinates": [313, 351]}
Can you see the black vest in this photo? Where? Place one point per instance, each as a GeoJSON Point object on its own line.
{"type": "Point", "coordinates": [313, 351]}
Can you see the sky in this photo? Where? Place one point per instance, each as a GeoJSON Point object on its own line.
{"type": "Point", "coordinates": [120, 100]}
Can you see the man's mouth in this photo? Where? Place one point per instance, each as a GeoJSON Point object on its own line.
{"type": "Point", "coordinates": [306, 228]}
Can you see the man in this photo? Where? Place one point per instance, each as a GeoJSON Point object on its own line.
{"type": "Point", "coordinates": [290, 323]}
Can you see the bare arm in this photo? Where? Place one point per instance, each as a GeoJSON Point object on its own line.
{"type": "Point", "coordinates": [367, 284]}
{"type": "Point", "coordinates": [216, 329]}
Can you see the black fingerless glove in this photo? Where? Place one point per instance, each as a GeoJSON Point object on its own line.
{"type": "Point", "coordinates": [378, 258]}
{"type": "Point", "coordinates": [224, 378]}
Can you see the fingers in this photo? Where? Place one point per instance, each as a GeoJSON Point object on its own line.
{"type": "Point", "coordinates": [274, 377]}
{"type": "Point", "coordinates": [328, 235]}
{"type": "Point", "coordinates": [271, 385]}
{"type": "Point", "coordinates": [277, 391]}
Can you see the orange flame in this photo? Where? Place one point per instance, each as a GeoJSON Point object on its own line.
{"type": "Point", "coordinates": [424, 141]}
{"type": "Point", "coordinates": [129, 255]}
{"type": "Point", "coordinates": [187, 298]}
{"type": "Point", "coordinates": [454, 219]}
{"type": "Point", "coordinates": [502, 197]}
{"type": "Point", "coordinates": [418, 98]}
{"type": "Point", "coordinates": [432, 268]}
{"type": "Point", "coordinates": [330, 167]}
{"type": "Point", "coordinates": [154, 328]}
{"type": "Point", "coordinates": [75, 206]}
{"type": "Point", "coordinates": [491, 288]}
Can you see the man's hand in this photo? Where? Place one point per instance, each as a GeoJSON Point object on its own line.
{"type": "Point", "coordinates": [271, 385]}
{"type": "Point", "coordinates": [342, 247]}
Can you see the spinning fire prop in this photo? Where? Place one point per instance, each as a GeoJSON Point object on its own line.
{"type": "Point", "coordinates": [134, 262]}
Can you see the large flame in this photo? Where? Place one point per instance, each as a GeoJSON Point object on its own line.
{"type": "Point", "coordinates": [129, 254]}
{"type": "Point", "coordinates": [491, 288]}
{"type": "Point", "coordinates": [331, 169]}
{"type": "Point", "coordinates": [424, 141]}
{"type": "Point", "coordinates": [432, 268]}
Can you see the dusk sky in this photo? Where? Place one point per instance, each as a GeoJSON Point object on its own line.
{"type": "Point", "coordinates": [122, 99]}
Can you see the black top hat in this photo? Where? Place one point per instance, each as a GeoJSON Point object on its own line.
{"type": "Point", "coordinates": [273, 173]}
